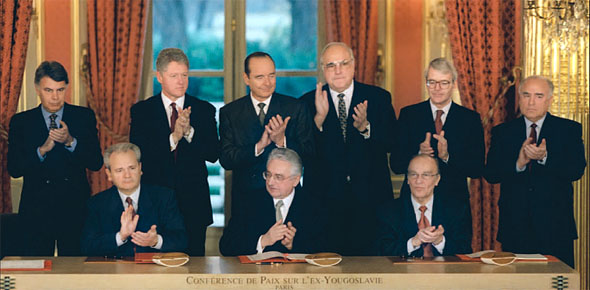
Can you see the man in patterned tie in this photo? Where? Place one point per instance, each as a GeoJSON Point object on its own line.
{"type": "Point", "coordinates": [425, 223]}
{"type": "Point", "coordinates": [353, 130]}
{"type": "Point", "coordinates": [283, 219]}
{"type": "Point", "coordinates": [536, 158]}
{"type": "Point", "coordinates": [148, 215]}
{"type": "Point", "coordinates": [51, 146]}
{"type": "Point", "coordinates": [441, 128]}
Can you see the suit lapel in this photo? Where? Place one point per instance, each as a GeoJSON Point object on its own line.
{"type": "Point", "coordinates": [437, 216]}
{"type": "Point", "coordinates": [546, 129]}
{"type": "Point", "coordinates": [410, 225]}
{"type": "Point", "coordinates": [116, 205]}
{"type": "Point", "coordinates": [144, 208]}
{"type": "Point", "coordinates": [428, 121]}
{"type": "Point", "coordinates": [332, 118]}
{"type": "Point", "coordinates": [274, 108]}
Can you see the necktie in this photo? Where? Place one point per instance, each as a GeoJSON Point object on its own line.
{"type": "Point", "coordinates": [438, 121]}
{"type": "Point", "coordinates": [52, 123]}
{"type": "Point", "coordinates": [532, 135]}
{"type": "Point", "coordinates": [424, 223]}
{"type": "Point", "coordinates": [129, 202]}
{"type": "Point", "coordinates": [173, 117]}
{"type": "Point", "coordinates": [261, 114]}
{"type": "Point", "coordinates": [278, 214]}
{"type": "Point", "coordinates": [342, 115]}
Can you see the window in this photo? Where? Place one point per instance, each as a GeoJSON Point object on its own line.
{"type": "Point", "coordinates": [217, 35]}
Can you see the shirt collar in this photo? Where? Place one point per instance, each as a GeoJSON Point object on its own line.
{"type": "Point", "coordinates": [445, 109]}
{"type": "Point", "coordinates": [46, 114]}
{"type": "Point", "coordinates": [167, 101]}
{"type": "Point", "coordinates": [134, 196]}
{"type": "Point", "coordinates": [539, 122]}
{"type": "Point", "coordinates": [417, 205]}
{"type": "Point", "coordinates": [347, 93]}
{"type": "Point", "coordinates": [287, 200]}
{"type": "Point", "coordinates": [256, 102]}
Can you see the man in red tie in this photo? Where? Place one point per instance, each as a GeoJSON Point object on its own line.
{"type": "Point", "coordinates": [148, 215]}
{"type": "Point", "coordinates": [177, 133]}
{"type": "Point", "coordinates": [423, 224]}
{"type": "Point", "coordinates": [441, 128]}
{"type": "Point", "coordinates": [536, 158]}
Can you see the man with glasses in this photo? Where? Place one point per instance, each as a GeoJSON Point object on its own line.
{"type": "Point", "coordinates": [444, 130]}
{"type": "Point", "coordinates": [251, 126]}
{"type": "Point", "coordinates": [283, 219]}
{"type": "Point", "coordinates": [353, 132]}
{"type": "Point", "coordinates": [425, 223]}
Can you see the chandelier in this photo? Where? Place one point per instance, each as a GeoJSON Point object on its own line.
{"type": "Point", "coordinates": [565, 21]}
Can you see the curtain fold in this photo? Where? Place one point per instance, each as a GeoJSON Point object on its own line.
{"type": "Point", "coordinates": [485, 44]}
{"type": "Point", "coordinates": [113, 68]}
{"type": "Point", "coordinates": [15, 19]}
{"type": "Point", "coordinates": [356, 24]}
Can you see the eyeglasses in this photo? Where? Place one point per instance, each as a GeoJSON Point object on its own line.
{"type": "Point", "coordinates": [343, 64]}
{"type": "Point", "coordinates": [426, 176]}
{"type": "Point", "coordinates": [278, 177]}
{"type": "Point", "coordinates": [443, 84]}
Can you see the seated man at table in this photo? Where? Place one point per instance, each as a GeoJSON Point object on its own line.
{"type": "Point", "coordinates": [283, 220]}
{"type": "Point", "coordinates": [130, 217]}
{"type": "Point", "coordinates": [423, 224]}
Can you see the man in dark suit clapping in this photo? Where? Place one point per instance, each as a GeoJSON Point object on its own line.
{"type": "Point", "coordinates": [250, 127]}
{"type": "Point", "coordinates": [536, 158]}
{"type": "Point", "coordinates": [51, 146]}
{"type": "Point", "coordinates": [353, 131]}
{"type": "Point", "coordinates": [177, 133]}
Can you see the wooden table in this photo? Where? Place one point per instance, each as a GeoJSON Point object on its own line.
{"type": "Point", "coordinates": [351, 273]}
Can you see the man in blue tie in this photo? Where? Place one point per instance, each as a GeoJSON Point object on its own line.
{"type": "Point", "coordinates": [51, 146]}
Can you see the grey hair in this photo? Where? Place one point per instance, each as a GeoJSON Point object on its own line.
{"type": "Point", "coordinates": [168, 55]}
{"type": "Point", "coordinates": [335, 44]}
{"type": "Point", "coordinates": [443, 65]}
{"type": "Point", "coordinates": [537, 77]}
{"type": "Point", "coordinates": [121, 148]}
{"type": "Point", "coordinates": [422, 155]}
{"type": "Point", "coordinates": [288, 155]}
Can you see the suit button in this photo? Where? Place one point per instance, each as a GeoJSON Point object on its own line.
{"type": "Point", "coordinates": [66, 179]}
{"type": "Point", "coordinates": [348, 178]}
{"type": "Point", "coordinates": [47, 181]}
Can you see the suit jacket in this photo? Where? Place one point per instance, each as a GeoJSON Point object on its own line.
{"type": "Point", "coordinates": [464, 134]}
{"type": "Point", "coordinates": [240, 130]}
{"type": "Point", "coordinates": [58, 185]}
{"type": "Point", "coordinates": [187, 174]}
{"type": "Point", "coordinates": [156, 206]}
{"type": "Point", "coordinates": [241, 235]}
{"type": "Point", "coordinates": [539, 200]}
{"type": "Point", "coordinates": [360, 163]}
{"type": "Point", "coordinates": [397, 224]}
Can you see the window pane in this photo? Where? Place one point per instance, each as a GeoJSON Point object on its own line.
{"type": "Point", "coordinates": [286, 29]}
{"type": "Point", "coordinates": [209, 89]}
{"type": "Point", "coordinates": [295, 86]}
{"type": "Point", "coordinates": [195, 26]}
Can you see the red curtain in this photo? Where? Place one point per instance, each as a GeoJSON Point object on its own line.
{"type": "Point", "coordinates": [116, 36]}
{"type": "Point", "coordinates": [485, 43]}
{"type": "Point", "coordinates": [355, 23]}
{"type": "Point", "coordinates": [15, 19]}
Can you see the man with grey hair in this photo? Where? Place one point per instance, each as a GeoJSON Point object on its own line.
{"type": "Point", "coordinates": [284, 219]}
{"type": "Point", "coordinates": [148, 215]}
{"type": "Point", "coordinates": [177, 133]}
{"type": "Point", "coordinates": [353, 132]}
{"type": "Point", "coordinates": [444, 130]}
{"type": "Point", "coordinates": [536, 158]}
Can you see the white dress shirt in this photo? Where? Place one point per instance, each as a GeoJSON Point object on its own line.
{"type": "Point", "coordinates": [347, 102]}
{"type": "Point", "coordinates": [284, 212]}
{"type": "Point", "coordinates": [428, 214]}
{"type": "Point", "coordinates": [179, 105]}
{"type": "Point", "coordinates": [445, 109]}
{"type": "Point", "coordinates": [528, 124]}
{"type": "Point", "coordinates": [135, 201]}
